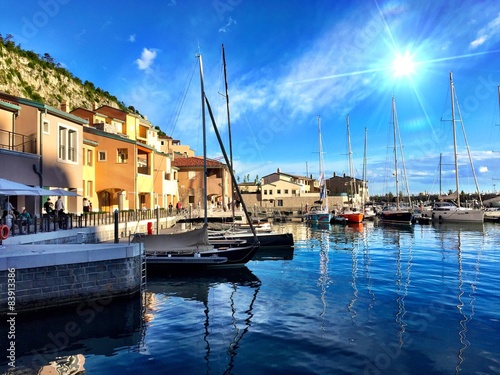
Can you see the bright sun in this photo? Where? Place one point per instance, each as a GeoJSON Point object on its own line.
{"type": "Point", "coordinates": [403, 65]}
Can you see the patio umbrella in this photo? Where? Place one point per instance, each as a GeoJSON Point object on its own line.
{"type": "Point", "coordinates": [64, 193]}
{"type": "Point", "coordinates": [8, 187]}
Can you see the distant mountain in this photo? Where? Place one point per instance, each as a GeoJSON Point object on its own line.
{"type": "Point", "coordinates": [29, 75]}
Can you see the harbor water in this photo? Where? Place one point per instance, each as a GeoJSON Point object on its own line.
{"type": "Point", "coordinates": [363, 299]}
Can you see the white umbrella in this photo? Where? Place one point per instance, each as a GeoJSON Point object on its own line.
{"type": "Point", "coordinates": [8, 187]}
{"type": "Point", "coordinates": [64, 193]}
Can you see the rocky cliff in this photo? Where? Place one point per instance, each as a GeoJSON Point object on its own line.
{"type": "Point", "coordinates": [38, 77]}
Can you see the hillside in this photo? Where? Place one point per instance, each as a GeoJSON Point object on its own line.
{"type": "Point", "coordinates": [39, 77]}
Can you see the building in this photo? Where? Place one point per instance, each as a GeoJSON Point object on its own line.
{"type": "Point", "coordinates": [191, 182]}
{"type": "Point", "coordinates": [41, 146]}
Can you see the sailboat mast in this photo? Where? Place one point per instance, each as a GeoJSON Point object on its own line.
{"type": "Point", "coordinates": [320, 149]}
{"type": "Point", "coordinates": [202, 87]}
{"type": "Point", "coordinates": [453, 125]}
{"type": "Point", "coordinates": [228, 124]}
{"type": "Point", "coordinates": [394, 120]}
{"type": "Point", "coordinates": [364, 167]}
{"type": "Point", "coordinates": [351, 167]}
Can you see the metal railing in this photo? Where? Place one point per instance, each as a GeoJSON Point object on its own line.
{"type": "Point", "coordinates": [17, 142]}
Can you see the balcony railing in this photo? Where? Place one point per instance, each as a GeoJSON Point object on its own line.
{"type": "Point", "coordinates": [17, 142]}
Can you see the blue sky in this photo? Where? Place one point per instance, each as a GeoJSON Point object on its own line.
{"type": "Point", "coordinates": [287, 63]}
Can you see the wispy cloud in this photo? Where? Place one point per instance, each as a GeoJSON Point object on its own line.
{"type": "Point", "coordinates": [146, 59]}
{"type": "Point", "coordinates": [225, 28]}
{"type": "Point", "coordinates": [131, 38]}
{"type": "Point", "coordinates": [491, 30]}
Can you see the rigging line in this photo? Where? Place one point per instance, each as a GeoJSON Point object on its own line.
{"type": "Point", "coordinates": [468, 151]}
{"type": "Point", "coordinates": [182, 99]}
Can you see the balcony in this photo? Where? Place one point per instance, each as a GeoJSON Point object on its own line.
{"type": "Point", "coordinates": [17, 142]}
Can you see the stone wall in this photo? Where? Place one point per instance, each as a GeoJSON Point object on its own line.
{"type": "Point", "coordinates": [41, 277]}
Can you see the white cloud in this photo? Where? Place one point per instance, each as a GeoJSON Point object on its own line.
{"type": "Point", "coordinates": [147, 58]}
{"type": "Point", "coordinates": [131, 38]}
{"type": "Point", "coordinates": [487, 32]}
{"type": "Point", "coordinates": [483, 169]}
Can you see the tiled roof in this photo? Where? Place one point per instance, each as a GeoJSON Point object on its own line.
{"type": "Point", "coordinates": [196, 161]}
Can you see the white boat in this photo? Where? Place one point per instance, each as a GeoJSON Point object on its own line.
{"type": "Point", "coordinates": [454, 212]}
{"type": "Point", "coordinates": [320, 214]}
{"type": "Point", "coordinates": [395, 213]}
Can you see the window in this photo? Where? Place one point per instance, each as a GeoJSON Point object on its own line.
{"type": "Point", "coordinates": [280, 202]}
{"type": "Point", "coordinates": [90, 157]}
{"type": "Point", "coordinates": [265, 192]}
{"type": "Point", "coordinates": [67, 144]}
{"type": "Point", "coordinates": [278, 191]}
{"type": "Point", "coordinates": [286, 191]}
{"type": "Point", "coordinates": [122, 155]}
{"type": "Point", "coordinates": [89, 188]}
{"type": "Point", "coordinates": [271, 192]}
{"type": "Point", "coordinates": [102, 156]}
{"type": "Point", "coordinates": [46, 127]}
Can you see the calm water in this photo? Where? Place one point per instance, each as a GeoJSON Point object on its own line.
{"type": "Point", "coordinates": [353, 300]}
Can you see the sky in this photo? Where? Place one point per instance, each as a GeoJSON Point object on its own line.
{"type": "Point", "coordinates": [288, 65]}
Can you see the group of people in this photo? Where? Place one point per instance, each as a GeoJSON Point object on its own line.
{"type": "Point", "coordinates": [58, 211]}
{"type": "Point", "coordinates": [10, 216]}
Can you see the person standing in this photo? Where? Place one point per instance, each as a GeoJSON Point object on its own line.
{"type": "Point", "coordinates": [60, 211]}
{"type": "Point", "coordinates": [85, 205]}
{"type": "Point", "coordinates": [59, 206]}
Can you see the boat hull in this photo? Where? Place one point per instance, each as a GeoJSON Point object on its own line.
{"type": "Point", "coordinates": [353, 217]}
{"type": "Point", "coordinates": [458, 215]}
{"type": "Point", "coordinates": [217, 258]}
{"type": "Point", "coordinates": [266, 240]}
{"type": "Point", "coordinates": [318, 218]}
{"type": "Point", "coordinates": [396, 217]}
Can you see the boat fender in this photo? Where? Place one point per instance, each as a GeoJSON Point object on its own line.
{"type": "Point", "coordinates": [4, 232]}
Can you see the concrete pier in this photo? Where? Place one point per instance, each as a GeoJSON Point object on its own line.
{"type": "Point", "coordinates": [40, 276]}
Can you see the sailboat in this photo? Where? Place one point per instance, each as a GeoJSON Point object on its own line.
{"type": "Point", "coordinates": [395, 213]}
{"type": "Point", "coordinates": [268, 239]}
{"type": "Point", "coordinates": [193, 249]}
{"type": "Point", "coordinates": [449, 211]}
{"type": "Point", "coordinates": [351, 214]}
{"type": "Point", "coordinates": [319, 213]}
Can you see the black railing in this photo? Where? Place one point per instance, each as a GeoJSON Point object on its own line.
{"type": "Point", "coordinates": [51, 223]}
{"type": "Point", "coordinates": [17, 142]}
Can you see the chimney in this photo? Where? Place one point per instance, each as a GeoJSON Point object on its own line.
{"type": "Point", "coordinates": [64, 106]}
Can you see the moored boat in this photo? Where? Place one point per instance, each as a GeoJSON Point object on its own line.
{"type": "Point", "coordinates": [319, 214]}
{"type": "Point", "coordinates": [450, 211]}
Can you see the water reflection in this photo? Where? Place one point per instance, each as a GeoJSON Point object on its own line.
{"type": "Point", "coordinates": [69, 365]}
{"type": "Point", "coordinates": [223, 294]}
{"type": "Point", "coordinates": [57, 339]}
{"type": "Point", "coordinates": [450, 237]}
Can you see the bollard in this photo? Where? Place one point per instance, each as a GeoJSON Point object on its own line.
{"type": "Point", "coordinates": [150, 228]}
{"type": "Point", "coordinates": [116, 226]}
